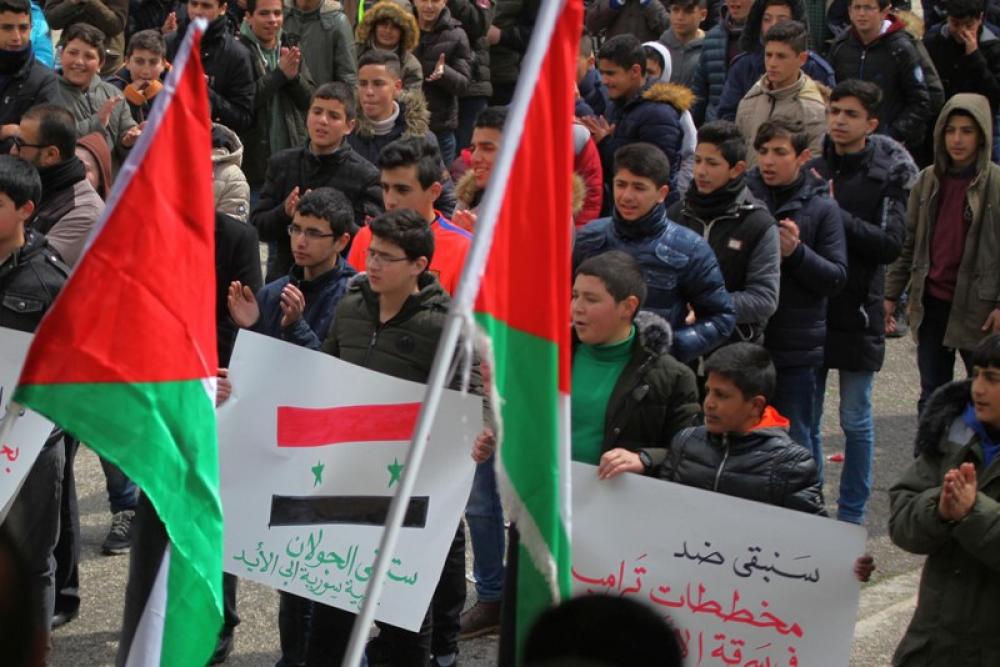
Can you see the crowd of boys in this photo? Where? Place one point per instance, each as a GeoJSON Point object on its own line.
{"type": "Point", "coordinates": [764, 192]}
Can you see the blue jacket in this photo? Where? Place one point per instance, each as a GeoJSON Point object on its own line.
{"type": "Point", "coordinates": [652, 115]}
{"type": "Point", "coordinates": [593, 95]}
{"type": "Point", "coordinates": [322, 296]}
{"type": "Point", "coordinates": [680, 269]}
{"type": "Point", "coordinates": [815, 271]}
{"type": "Point", "coordinates": [711, 74]}
{"type": "Point", "coordinates": [747, 68]}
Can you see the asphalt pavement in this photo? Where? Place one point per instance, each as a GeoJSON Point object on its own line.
{"type": "Point", "coordinates": [886, 603]}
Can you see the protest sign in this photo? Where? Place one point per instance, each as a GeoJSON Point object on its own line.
{"type": "Point", "coordinates": [311, 450]}
{"type": "Point", "coordinates": [19, 451]}
{"type": "Point", "coordinates": [743, 583]}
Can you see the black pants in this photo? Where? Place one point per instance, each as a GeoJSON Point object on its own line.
{"type": "Point", "coordinates": [449, 599]}
{"type": "Point", "coordinates": [67, 551]}
{"type": "Point", "coordinates": [935, 361]}
{"type": "Point", "coordinates": [331, 628]}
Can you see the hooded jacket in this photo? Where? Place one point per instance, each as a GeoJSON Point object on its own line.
{"type": "Point", "coordinates": [815, 271]}
{"type": "Point", "coordinates": [744, 238]}
{"type": "Point", "coordinates": [684, 56]}
{"type": "Point", "coordinates": [978, 72]}
{"type": "Point", "coordinates": [645, 20]}
{"type": "Point", "coordinates": [68, 209]}
{"type": "Point", "coordinates": [324, 34]}
{"type": "Point", "coordinates": [959, 598]}
{"type": "Point", "coordinates": [108, 16]}
{"type": "Point", "coordinates": [689, 139]}
{"type": "Point", "coordinates": [342, 169]}
{"type": "Point", "coordinates": [764, 465]}
{"type": "Point", "coordinates": [802, 101]}
{"type": "Point", "coordinates": [892, 62]}
{"type": "Point", "coordinates": [229, 185]}
{"type": "Point", "coordinates": [30, 280]}
{"type": "Point", "coordinates": [680, 269]}
{"type": "Point", "coordinates": [413, 121]}
{"type": "Point", "coordinates": [653, 114]}
{"type": "Point", "coordinates": [445, 38]}
{"type": "Point", "coordinates": [95, 144]}
{"type": "Point", "coordinates": [400, 16]}
{"type": "Point", "coordinates": [655, 395]}
{"type": "Point", "coordinates": [229, 71]}
{"type": "Point", "coordinates": [84, 106]}
{"type": "Point", "coordinates": [476, 17]}
{"type": "Point", "coordinates": [977, 289]}
{"type": "Point", "coordinates": [277, 99]}
{"type": "Point", "coordinates": [870, 187]}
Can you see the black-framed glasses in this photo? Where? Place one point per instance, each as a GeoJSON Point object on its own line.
{"type": "Point", "coordinates": [20, 143]}
{"type": "Point", "coordinates": [380, 258]}
{"type": "Point", "coordinates": [310, 233]}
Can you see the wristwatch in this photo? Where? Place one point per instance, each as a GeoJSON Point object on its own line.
{"type": "Point", "coordinates": [645, 460]}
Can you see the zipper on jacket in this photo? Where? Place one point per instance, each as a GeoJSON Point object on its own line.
{"type": "Point", "coordinates": [725, 457]}
{"type": "Point", "coordinates": [371, 344]}
{"type": "Point", "coordinates": [861, 68]}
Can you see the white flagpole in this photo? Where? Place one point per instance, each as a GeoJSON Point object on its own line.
{"type": "Point", "coordinates": [461, 306]}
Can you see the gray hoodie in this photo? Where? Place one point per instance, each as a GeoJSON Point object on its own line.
{"type": "Point", "coordinates": [684, 56]}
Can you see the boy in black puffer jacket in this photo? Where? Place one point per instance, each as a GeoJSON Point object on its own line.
{"type": "Point", "coordinates": [743, 449]}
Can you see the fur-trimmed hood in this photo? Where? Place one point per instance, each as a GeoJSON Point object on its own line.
{"type": "Point", "coordinates": [395, 11]}
{"type": "Point", "coordinates": [901, 167]}
{"type": "Point", "coordinates": [413, 109]}
{"type": "Point", "coordinates": [674, 94]}
{"type": "Point", "coordinates": [655, 333]}
{"type": "Point", "coordinates": [944, 406]}
{"type": "Point", "coordinates": [468, 195]}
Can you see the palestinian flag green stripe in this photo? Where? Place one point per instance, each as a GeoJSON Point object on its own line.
{"type": "Point", "coordinates": [531, 418]}
{"type": "Point", "coordinates": [164, 435]}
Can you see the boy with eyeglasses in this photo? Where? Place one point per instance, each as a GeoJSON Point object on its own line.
{"type": "Point", "coordinates": [298, 308]}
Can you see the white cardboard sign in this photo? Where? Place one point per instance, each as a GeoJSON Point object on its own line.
{"type": "Point", "coordinates": [310, 450]}
{"type": "Point", "coordinates": [742, 583]}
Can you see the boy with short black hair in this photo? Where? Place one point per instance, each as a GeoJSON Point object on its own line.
{"type": "Point", "coordinates": [869, 176]}
{"type": "Point", "coordinates": [141, 77]}
{"type": "Point", "coordinates": [299, 308]}
{"type": "Point", "coordinates": [326, 160]}
{"type": "Point", "coordinates": [639, 225]}
{"type": "Point", "coordinates": [945, 506]}
{"type": "Point", "coordinates": [593, 99]}
{"type": "Point", "coordinates": [813, 267]}
{"type": "Point", "coordinates": [877, 48]}
{"type": "Point", "coordinates": [685, 38]}
{"type": "Point", "coordinates": [784, 91]}
{"type": "Point", "coordinates": [29, 269]}
{"type": "Point", "coordinates": [30, 81]}
{"type": "Point", "coordinates": [966, 52]}
{"type": "Point", "coordinates": [391, 321]}
{"type": "Point", "coordinates": [640, 112]}
{"type": "Point", "coordinates": [742, 232]}
{"type": "Point", "coordinates": [619, 350]}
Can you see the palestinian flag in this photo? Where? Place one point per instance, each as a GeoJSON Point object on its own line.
{"type": "Point", "coordinates": [126, 359]}
{"type": "Point", "coordinates": [523, 305]}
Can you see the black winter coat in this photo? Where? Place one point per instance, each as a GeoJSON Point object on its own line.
{"type": "Point", "coordinates": [229, 70]}
{"type": "Point", "coordinates": [893, 63]}
{"type": "Point", "coordinates": [655, 396]}
{"type": "Point", "coordinates": [342, 169]}
{"type": "Point", "coordinates": [448, 38]}
{"type": "Point", "coordinates": [237, 257]}
{"type": "Point", "coordinates": [476, 20]}
{"type": "Point", "coordinates": [815, 271]}
{"type": "Point", "coordinates": [30, 279]}
{"type": "Point", "coordinates": [30, 84]}
{"type": "Point", "coordinates": [764, 465]}
{"type": "Point", "coordinates": [978, 72]}
{"type": "Point", "coordinates": [871, 188]}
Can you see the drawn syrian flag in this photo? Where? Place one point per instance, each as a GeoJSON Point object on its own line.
{"type": "Point", "coordinates": [126, 359]}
